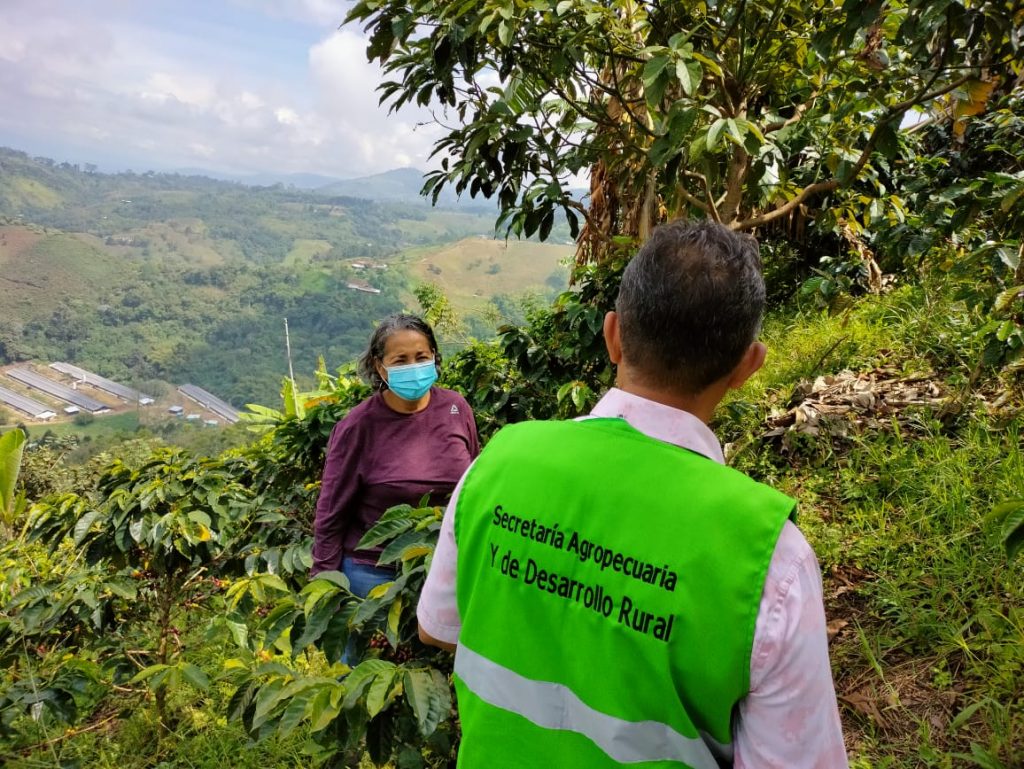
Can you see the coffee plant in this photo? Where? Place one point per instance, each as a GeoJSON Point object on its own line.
{"type": "Point", "coordinates": [394, 704]}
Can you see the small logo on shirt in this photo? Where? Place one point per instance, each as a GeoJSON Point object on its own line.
{"type": "Point", "coordinates": [455, 409]}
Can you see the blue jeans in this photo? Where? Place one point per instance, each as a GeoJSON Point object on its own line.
{"type": "Point", "coordinates": [362, 578]}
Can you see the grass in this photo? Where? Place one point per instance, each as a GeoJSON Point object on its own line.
{"type": "Point", "coordinates": [303, 251]}
{"type": "Point", "coordinates": [101, 426]}
{"type": "Point", "coordinates": [928, 654]}
{"type": "Point", "coordinates": [29, 192]}
{"type": "Point", "coordinates": [47, 272]}
{"type": "Point", "coordinates": [473, 270]}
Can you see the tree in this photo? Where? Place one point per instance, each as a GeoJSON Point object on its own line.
{"type": "Point", "coordinates": [745, 111]}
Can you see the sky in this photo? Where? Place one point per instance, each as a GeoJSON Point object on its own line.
{"type": "Point", "coordinates": [234, 87]}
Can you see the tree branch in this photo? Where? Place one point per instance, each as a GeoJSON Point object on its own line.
{"type": "Point", "coordinates": [594, 226]}
{"type": "Point", "coordinates": [921, 98]}
{"type": "Point", "coordinates": [711, 207]}
{"type": "Point", "coordinates": [892, 113]}
{"type": "Point", "coordinates": [797, 116]}
{"type": "Point", "coordinates": [694, 201]}
{"type": "Point", "coordinates": [777, 213]}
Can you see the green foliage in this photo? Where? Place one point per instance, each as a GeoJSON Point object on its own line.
{"type": "Point", "coordinates": [148, 539]}
{"type": "Point", "coordinates": [959, 215]}
{"type": "Point", "coordinates": [394, 704]}
{"type": "Point", "coordinates": [12, 445]}
{"type": "Point", "coordinates": [84, 418]}
{"type": "Point", "coordinates": [553, 366]}
{"type": "Point", "coordinates": [1010, 515]}
{"type": "Point", "coordinates": [739, 111]}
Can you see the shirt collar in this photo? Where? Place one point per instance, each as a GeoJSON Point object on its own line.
{"type": "Point", "coordinates": [661, 422]}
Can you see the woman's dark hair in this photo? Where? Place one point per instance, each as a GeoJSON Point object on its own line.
{"type": "Point", "coordinates": [374, 353]}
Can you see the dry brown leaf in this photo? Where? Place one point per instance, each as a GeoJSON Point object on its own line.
{"type": "Point", "coordinates": [834, 627]}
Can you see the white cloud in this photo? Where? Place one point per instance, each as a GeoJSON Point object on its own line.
{"type": "Point", "coordinates": [319, 12]}
{"type": "Point", "coordinates": [286, 116]}
{"type": "Point", "coordinates": [346, 84]}
{"type": "Point", "coordinates": [107, 84]}
{"type": "Point", "coordinates": [195, 90]}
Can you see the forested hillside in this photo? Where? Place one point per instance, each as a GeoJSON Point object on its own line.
{"type": "Point", "coordinates": [184, 278]}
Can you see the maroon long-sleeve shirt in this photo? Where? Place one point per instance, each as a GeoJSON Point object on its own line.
{"type": "Point", "coordinates": [378, 458]}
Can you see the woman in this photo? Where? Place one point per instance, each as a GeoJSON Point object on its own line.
{"type": "Point", "coordinates": [406, 440]}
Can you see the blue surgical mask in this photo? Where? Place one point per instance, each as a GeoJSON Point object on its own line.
{"type": "Point", "coordinates": [411, 382]}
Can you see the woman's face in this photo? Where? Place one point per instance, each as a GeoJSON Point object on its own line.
{"type": "Point", "coordinates": [402, 348]}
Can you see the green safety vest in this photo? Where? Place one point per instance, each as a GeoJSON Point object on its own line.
{"type": "Point", "coordinates": [608, 585]}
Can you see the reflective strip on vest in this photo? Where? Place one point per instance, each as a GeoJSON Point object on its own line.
{"type": "Point", "coordinates": [555, 706]}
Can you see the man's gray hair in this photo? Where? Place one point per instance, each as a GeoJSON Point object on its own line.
{"type": "Point", "coordinates": [690, 304]}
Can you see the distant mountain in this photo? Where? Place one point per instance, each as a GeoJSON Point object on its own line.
{"type": "Point", "coordinates": [299, 181]}
{"type": "Point", "coordinates": [397, 184]}
{"type": "Point", "coordinates": [401, 185]}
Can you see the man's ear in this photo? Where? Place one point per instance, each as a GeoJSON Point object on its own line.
{"type": "Point", "coordinates": [749, 364]}
{"type": "Point", "coordinates": [612, 338]}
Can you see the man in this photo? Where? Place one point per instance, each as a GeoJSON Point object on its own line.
{"type": "Point", "coordinates": [614, 594]}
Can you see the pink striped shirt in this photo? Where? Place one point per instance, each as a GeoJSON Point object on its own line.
{"type": "Point", "coordinates": [790, 719]}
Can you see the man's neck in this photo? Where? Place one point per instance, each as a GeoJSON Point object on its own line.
{"type": "Point", "coordinates": [702, 405]}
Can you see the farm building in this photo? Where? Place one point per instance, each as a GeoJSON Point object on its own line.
{"type": "Point", "coordinates": [123, 392]}
{"type": "Point", "coordinates": [57, 390]}
{"type": "Point", "coordinates": [210, 402]}
{"type": "Point", "coordinates": [361, 285]}
{"type": "Point", "coordinates": [25, 405]}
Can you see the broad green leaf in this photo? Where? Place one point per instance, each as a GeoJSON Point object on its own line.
{"type": "Point", "coordinates": [415, 551]}
{"type": "Point", "coordinates": [377, 694]}
{"type": "Point", "coordinates": [400, 512]}
{"type": "Point", "coordinates": [315, 591]}
{"type": "Point", "coordinates": [393, 551]}
{"type": "Point", "coordinates": [149, 672]}
{"type": "Point", "coordinates": [379, 591]}
{"type": "Point", "coordinates": [689, 74]}
{"type": "Point", "coordinates": [296, 710]}
{"type": "Point", "coordinates": [316, 624]}
{"type": "Point", "coordinates": [269, 697]}
{"type": "Point", "coordinates": [361, 676]}
{"type": "Point", "coordinates": [1010, 199]}
{"type": "Point", "coordinates": [429, 696]}
{"type": "Point", "coordinates": [278, 620]}
{"type": "Point", "coordinates": [195, 676]}
{"type": "Point", "coordinates": [273, 581]}
{"type": "Point", "coordinates": [714, 133]}
{"type": "Point", "coordinates": [653, 68]}
{"type": "Point", "coordinates": [335, 637]}
{"type": "Point", "coordinates": [84, 524]}
{"type": "Point", "coordinates": [239, 632]}
{"type": "Point", "coordinates": [712, 66]}
{"type": "Point", "coordinates": [383, 531]}
{"type": "Point", "coordinates": [394, 616]}
{"type": "Point", "coordinates": [334, 577]}
{"type": "Point", "coordinates": [1010, 515]}
{"type": "Point", "coordinates": [323, 710]}
{"type": "Point", "coordinates": [1006, 298]}
{"type": "Point", "coordinates": [12, 446]}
